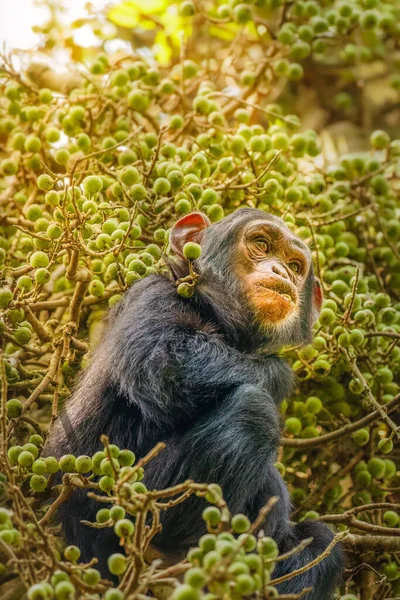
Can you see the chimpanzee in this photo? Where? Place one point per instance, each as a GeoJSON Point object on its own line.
{"type": "Point", "coordinates": [202, 375]}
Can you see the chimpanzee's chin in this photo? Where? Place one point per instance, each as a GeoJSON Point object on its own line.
{"type": "Point", "coordinates": [274, 314]}
{"type": "Point", "coordinates": [286, 332]}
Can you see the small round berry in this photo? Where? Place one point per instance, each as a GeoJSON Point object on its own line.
{"type": "Point", "coordinates": [26, 459]}
{"type": "Point", "coordinates": [72, 553]}
{"type": "Point", "coordinates": [185, 592]}
{"type": "Point", "coordinates": [130, 175]}
{"type": "Point", "coordinates": [191, 251]}
{"type": "Point", "coordinates": [124, 528]}
{"type": "Point", "coordinates": [138, 100]}
{"type": "Point", "coordinates": [36, 439]}
{"type": "Point", "coordinates": [54, 231]}
{"type": "Point", "coordinates": [45, 96]}
{"type": "Point", "coordinates": [117, 564]}
{"type": "Point", "coordinates": [38, 483]}
{"type": "Point", "coordinates": [212, 515]}
{"type": "Point", "coordinates": [64, 590]}
{"type": "Point", "coordinates": [185, 290]}
{"type": "Point", "coordinates": [13, 408]}
{"type": "Point", "coordinates": [96, 288]}
{"type": "Point", "coordinates": [45, 182]}
{"type": "Point", "coordinates": [52, 134]}
{"type": "Point", "coordinates": [62, 156]}
{"type": "Point", "coordinates": [114, 595]}
{"type": "Point", "coordinates": [390, 518]}
{"type": "Point", "coordinates": [116, 513]}
{"type": "Point", "coordinates": [187, 9]}
{"type": "Point", "coordinates": [83, 464]}
{"type": "Point", "coordinates": [92, 184]}
{"type": "Point", "coordinates": [161, 186]}
{"type": "Point", "coordinates": [42, 276]}
{"type": "Point", "coordinates": [268, 547]}
{"type": "Point", "coordinates": [39, 467]}
{"type": "Point", "coordinates": [195, 577]}
{"type": "Point", "coordinates": [240, 523]}
{"type": "Point", "coordinates": [242, 14]}
{"type": "Point", "coordinates": [39, 259]}
{"type": "Point", "coordinates": [138, 192]}
{"type": "Point", "coordinates": [376, 467]}
{"type": "Point", "coordinates": [91, 576]}
{"type": "Point", "coordinates": [6, 296]}
{"type": "Point", "coordinates": [380, 139]}
{"type": "Point", "coordinates": [295, 72]}
{"type": "Point", "coordinates": [126, 458]}
{"type": "Point", "coordinates": [38, 591]}
{"type": "Point", "coordinates": [103, 515]}
{"type": "Point", "coordinates": [106, 483]}
{"type": "Point", "coordinates": [385, 445]}
{"type": "Point", "coordinates": [23, 335]}
{"type": "Point", "coordinates": [313, 405]}
{"type": "Point", "coordinates": [52, 465]}
{"type": "Point", "coordinates": [293, 425]}
{"type": "Point", "coordinates": [52, 198]}
{"type": "Point", "coordinates": [67, 463]}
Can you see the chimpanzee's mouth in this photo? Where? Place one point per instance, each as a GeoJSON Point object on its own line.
{"type": "Point", "coordinates": [287, 297]}
{"type": "Point", "coordinates": [283, 291]}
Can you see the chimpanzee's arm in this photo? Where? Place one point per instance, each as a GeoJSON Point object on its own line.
{"type": "Point", "coordinates": [235, 446]}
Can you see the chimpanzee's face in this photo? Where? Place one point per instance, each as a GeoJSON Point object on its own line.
{"type": "Point", "coordinates": [274, 265]}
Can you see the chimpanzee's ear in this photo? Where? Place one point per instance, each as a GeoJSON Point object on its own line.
{"type": "Point", "coordinates": [186, 229]}
{"type": "Point", "coordinates": [316, 300]}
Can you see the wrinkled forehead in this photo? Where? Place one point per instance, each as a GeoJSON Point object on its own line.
{"type": "Point", "coordinates": [276, 230]}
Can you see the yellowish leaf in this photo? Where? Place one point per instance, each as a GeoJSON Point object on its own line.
{"type": "Point", "coordinates": [223, 33]}
{"type": "Point", "coordinates": [162, 50]}
{"type": "Point", "coordinates": [124, 15]}
{"type": "Point", "coordinates": [149, 6]}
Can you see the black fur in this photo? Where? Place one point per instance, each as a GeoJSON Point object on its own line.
{"type": "Point", "coordinates": [200, 375]}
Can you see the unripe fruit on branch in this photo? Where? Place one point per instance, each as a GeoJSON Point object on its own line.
{"type": "Point", "coordinates": [185, 290]}
{"type": "Point", "coordinates": [13, 408]}
{"type": "Point", "coordinates": [212, 515]}
{"type": "Point", "coordinates": [192, 251]}
{"type": "Point", "coordinates": [361, 437]}
{"type": "Point", "coordinates": [39, 259]}
{"type": "Point", "coordinates": [45, 182]}
{"type": "Point", "coordinates": [117, 564]}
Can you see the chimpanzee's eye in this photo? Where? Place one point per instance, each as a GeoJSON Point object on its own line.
{"type": "Point", "coordinates": [294, 266]}
{"type": "Point", "coordinates": [263, 245]}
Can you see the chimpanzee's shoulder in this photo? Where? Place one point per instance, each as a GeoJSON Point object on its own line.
{"type": "Point", "coordinates": [150, 287]}
{"type": "Point", "coordinates": [153, 307]}
{"type": "Point", "coordinates": [149, 293]}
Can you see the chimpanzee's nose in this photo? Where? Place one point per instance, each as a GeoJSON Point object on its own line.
{"type": "Point", "coordinates": [280, 270]}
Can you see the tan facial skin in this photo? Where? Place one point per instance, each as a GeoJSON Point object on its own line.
{"type": "Point", "coordinates": [273, 265]}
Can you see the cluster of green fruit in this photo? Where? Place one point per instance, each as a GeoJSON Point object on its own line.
{"type": "Point", "coordinates": [9, 535]}
{"type": "Point", "coordinates": [109, 469]}
{"type": "Point", "coordinates": [60, 586]}
{"type": "Point", "coordinates": [235, 562]}
{"type": "Point", "coordinates": [228, 566]}
{"type": "Point", "coordinates": [334, 32]}
{"type": "Point", "coordinates": [113, 217]}
{"type": "Point", "coordinates": [90, 185]}
{"type": "Point", "coordinates": [366, 477]}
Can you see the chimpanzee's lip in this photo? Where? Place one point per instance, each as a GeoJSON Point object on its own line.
{"type": "Point", "coordinates": [284, 295]}
{"type": "Point", "coordinates": [287, 297]}
{"type": "Point", "coordinates": [282, 290]}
